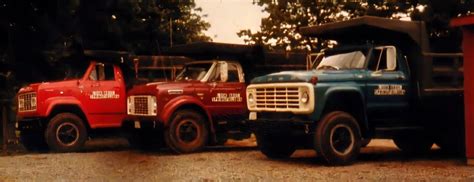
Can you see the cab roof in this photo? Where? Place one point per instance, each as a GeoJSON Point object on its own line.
{"type": "Point", "coordinates": [213, 50]}
{"type": "Point", "coordinates": [371, 28]}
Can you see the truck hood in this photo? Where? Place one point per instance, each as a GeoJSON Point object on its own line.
{"type": "Point", "coordinates": [49, 86]}
{"type": "Point", "coordinates": [305, 76]}
{"type": "Point", "coordinates": [153, 88]}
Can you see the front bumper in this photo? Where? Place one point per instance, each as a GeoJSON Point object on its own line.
{"type": "Point", "coordinates": [281, 125]}
{"type": "Point", "coordinates": [30, 124]}
{"type": "Point", "coordinates": [141, 123]}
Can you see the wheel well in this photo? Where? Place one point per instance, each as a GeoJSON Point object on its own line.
{"type": "Point", "coordinates": [71, 109]}
{"type": "Point", "coordinates": [195, 108]}
{"type": "Point", "coordinates": [201, 111]}
{"type": "Point", "coordinates": [352, 103]}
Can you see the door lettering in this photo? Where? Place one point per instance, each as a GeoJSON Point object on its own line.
{"type": "Point", "coordinates": [389, 90]}
{"type": "Point", "coordinates": [104, 95]}
{"type": "Point", "coordinates": [224, 97]}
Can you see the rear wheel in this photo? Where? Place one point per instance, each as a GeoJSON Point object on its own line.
{"type": "Point", "coordinates": [33, 141]}
{"type": "Point", "coordinates": [337, 138]}
{"type": "Point", "coordinates": [187, 132]}
{"type": "Point", "coordinates": [275, 146]}
{"type": "Point", "coordinates": [413, 143]}
{"type": "Point", "coordinates": [365, 141]}
{"type": "Point", "coordinates": [66, 133]}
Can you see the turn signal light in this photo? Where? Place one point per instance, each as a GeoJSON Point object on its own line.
{"type": "Point", "coordinates": [314, 80]}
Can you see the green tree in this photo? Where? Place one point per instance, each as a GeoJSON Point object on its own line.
{"type": "Point", "coordinates": [147, 25]}
{"type": "Point", "coordinates": [62, 28]}
{"type": "Point", "coordinates": [280, 29]}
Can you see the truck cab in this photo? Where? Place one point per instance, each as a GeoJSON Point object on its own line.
{"type": "Point", "coordinates": [60, 115]}
{"type": "Point", "coordinates": [202, 105]}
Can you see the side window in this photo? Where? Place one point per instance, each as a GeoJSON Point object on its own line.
{"type": "Point", "coordinates": [102, 72]}
{"type": "Point", "coordinates": [233, 73]}
{"type": "Point", "coordinates": [109, 72]}
{"type": "Point", "coordinates": [383, 59]}
{"type": "Point", "coordinates": [216, 76]}
{"type": "Point", "coordinates": [374, 59]}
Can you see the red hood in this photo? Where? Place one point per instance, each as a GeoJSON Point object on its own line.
{"type": "Point", "coordinates": [35, 87]}
{"type": "Point", "coordinates": [153, 88]}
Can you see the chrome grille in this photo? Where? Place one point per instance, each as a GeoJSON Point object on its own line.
{"type": "Point", "coordinates": [141, 105]}
{"type": "Point", "coordinates": [27, 102]}
{"type": "Point", "coordinates": [278, 97]}
{"type": "Point", "coordinates": [281, 97]}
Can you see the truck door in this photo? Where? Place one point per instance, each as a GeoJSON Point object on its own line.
{"type": "Point", "coordinates": [105, 95]}
{"type": "Point", "coordinates": [387, 84]}
{"type": "Point", "coordinates": [227, 92]}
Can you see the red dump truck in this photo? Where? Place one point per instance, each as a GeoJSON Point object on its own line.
{"type": "Point", "coordinates": [61, 115]}
{"type": "Point", "coordinates": [205, 104]}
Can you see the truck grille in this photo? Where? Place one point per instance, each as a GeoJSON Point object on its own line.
{"type": "Point", "coordinates": [27, 102]}
{"type": "Point", "coordinates": [141, 105]}
{"type": "Point", "coordinates": [278, 97]}
{"type": "Point", "coordinates": [281, 97]}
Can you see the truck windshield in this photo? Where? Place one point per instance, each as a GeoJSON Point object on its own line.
{"type": "Point", "coordinates": [350, 60]}
{"type": "Point", "coordinates": [194, 71]}
{"type": "Point", "coordinates": [69, 71]}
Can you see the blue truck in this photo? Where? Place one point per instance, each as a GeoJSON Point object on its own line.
{"type": "Point", "coordinates": [380, 81]}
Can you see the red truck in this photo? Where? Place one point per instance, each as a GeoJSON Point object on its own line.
{"type": "Point", "coordinates": [60, 115]}
{"type": "Point", "coordinates": [205, 103]}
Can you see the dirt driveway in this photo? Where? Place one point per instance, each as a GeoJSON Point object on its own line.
{"type": "Point", "coordinates": [111, 160]}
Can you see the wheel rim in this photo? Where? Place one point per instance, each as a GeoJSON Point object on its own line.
{"type": "Point", "coordinates": [342, 139]}
{"type": "Point", "coordinates": [188, 131]}
{"type": "Point", "coordinates": [67, 134]}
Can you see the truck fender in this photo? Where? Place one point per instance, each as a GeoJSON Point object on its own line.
{"type": "Point", "coordinates": [70, 101]}
{"type": "Point", "coordinates": [364, 124]}
{"type": "Point", "coordinates": [171, 106]}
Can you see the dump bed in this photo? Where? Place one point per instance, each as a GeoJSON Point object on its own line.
{"type": "Point", "coordinates": [432, 73]}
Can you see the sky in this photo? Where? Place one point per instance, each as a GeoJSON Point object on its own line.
{"type": "Point", "coordinates": [227, 17]}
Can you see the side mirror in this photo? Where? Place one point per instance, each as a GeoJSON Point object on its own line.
{"type": "Point", "coordinates": [224, 71]}
{"type": "Point", "coordinates": [377, 73]}
{"type": "Point", "coordinates": [391, 59]}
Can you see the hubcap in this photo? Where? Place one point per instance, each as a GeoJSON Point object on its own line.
{"type": "Point", "coordinates": [342, 139]}
{"type": "Point", "coordinates": [187, 131]}
{"type": "Point", "coordinates": [67, 134]}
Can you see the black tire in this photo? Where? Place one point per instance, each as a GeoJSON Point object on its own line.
{"type": "Point", "coordinates": [187, 132]}
{"type": "Point", "coordinates": [275, 146]}
{"type": "Point", "coordinates": [337, 138]}
{"type": "Point", "coordinates": [33, 141]}
{"type": "Point", "coordinates": [414, 144]}
{"type": "Point", "coordinates": [146, 140]}
{"type": "Point", "coordinates": [66, 133]}
{"type": "Point", "coordinates": [364, 142]}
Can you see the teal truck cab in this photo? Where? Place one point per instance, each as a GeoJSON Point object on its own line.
{"type": "Point", "coordinates": [391, 88]}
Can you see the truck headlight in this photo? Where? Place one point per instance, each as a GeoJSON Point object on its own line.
{"type": "Point", "coordinates": [154, 105]}
{"type": "Point", "coordinates": [251, 98]}
{"type": "Point", "coordinates": [304, 97]}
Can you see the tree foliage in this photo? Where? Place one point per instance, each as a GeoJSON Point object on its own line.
{"type": "Point", "coordinates": [60, 28]}
{"type": "Point", "coordinates": [279, 30]}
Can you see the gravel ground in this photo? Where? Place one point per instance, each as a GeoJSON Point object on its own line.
{"type": "Point", "coordinates": [238, 161]}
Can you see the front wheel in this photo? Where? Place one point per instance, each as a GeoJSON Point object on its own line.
{"type": "Point", "coordinates": [275, 146]}
{"type": "Point", "coordinates": [337, 138]}
{"type": "Point", "coordinates": [66, 133]}
{"type": "Point", "coordinates": [187, 132]}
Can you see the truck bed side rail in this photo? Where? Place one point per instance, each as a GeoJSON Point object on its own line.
{"type": "Point", "coordinates": [447, 73]}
